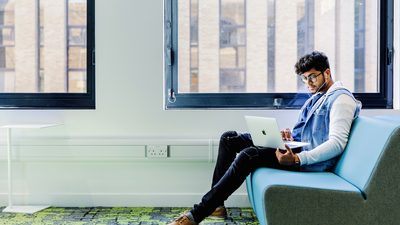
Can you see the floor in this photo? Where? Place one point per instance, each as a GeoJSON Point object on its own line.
{"type": "Point", "coordinates": [119, 216]}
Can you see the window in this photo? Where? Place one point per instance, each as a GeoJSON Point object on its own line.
{"type": "Point", "coordinates": [241, 54]}
{"type": "Point", "coordinates": [47, 54]}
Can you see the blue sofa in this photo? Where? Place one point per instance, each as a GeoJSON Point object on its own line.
{"type": "Point", "coordinates": [363, 189]}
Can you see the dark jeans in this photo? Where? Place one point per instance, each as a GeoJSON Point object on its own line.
{"type": "Point", "coordinates": [232, 169]}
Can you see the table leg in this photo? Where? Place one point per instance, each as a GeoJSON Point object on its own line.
{"type": "Point", "coordinates": [15, 208]}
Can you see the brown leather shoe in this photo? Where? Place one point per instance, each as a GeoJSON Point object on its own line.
{"type": "Point", "coordinates": [182, 220]}
{"type": "Point", "coordinates": [219, 212]}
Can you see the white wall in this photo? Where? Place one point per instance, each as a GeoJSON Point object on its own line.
{"type": "Point", "coordinates": [97, 156]}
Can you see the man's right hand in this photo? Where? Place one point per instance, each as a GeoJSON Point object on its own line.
{"type": "Point", "coordinates": [286, 135]}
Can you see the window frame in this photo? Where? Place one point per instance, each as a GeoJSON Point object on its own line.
{"type": "Point", "coordinates": [62, 100]}
{"type": "Point", "coordinates": [174, 100]}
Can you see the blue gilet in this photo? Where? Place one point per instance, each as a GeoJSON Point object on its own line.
{"type": "Point", "coordinates": [313, 124]}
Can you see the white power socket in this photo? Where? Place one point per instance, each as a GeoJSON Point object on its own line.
{"type": "Point", "coordinates": [157, 151]}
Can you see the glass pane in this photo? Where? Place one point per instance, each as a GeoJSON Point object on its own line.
{"type": "Point", "coordinates": [77, 81]}
{"type": "Point", "coordinates": [77, 51]}
{"type": "Point", "coordinates": [6, 58]}
{"type": "Point", "coordinates": [41, 36]}
{"type": "Point", "coordinates": [194, 19]}
{"type": "Point", "coordinates": [7, 13]}
{"type": "Point", "coordinates": [194, 81]}
{"type": "Point", "coordinates": [232, 36]}
{"type": "Point", "coordinates": [76, 12]}
{"type": "Point", "coordinates": [57, 27]}
{"type": "Point", "coordinates": [7, 44]}
{"type": "Point", "coordinates": [261, 41]}
{"type": "Point", "coordinates": [232, 81]}
{"type": "Point", "coordinates": [232, 12]}
{"type": "Point", "coordinates": [41, 80]}
{"type": "Point", "coordinates": [77, 36]}
{"type": "Point", "coordinates": [232, 57]}
{"type": "Point", "coordinates": [194, 57]}
{"type": "Point", "coordinates": [7, 80]}
{"type": "Point", "coordinates": [77, 58]}
{"type": "Point", "coordinates": [7, 36]}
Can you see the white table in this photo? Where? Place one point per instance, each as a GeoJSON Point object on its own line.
{"type": "Point", "coordinates": [14, 208]}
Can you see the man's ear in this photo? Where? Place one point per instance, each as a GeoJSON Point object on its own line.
{"type": "Point", "coordinates": [327, 73]}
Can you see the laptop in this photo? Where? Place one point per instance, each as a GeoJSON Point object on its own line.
{"type": "Point", "coordinates": [264, 132]}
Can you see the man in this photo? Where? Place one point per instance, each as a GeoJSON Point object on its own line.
{"type": "Point", "coordinates": [324, 121]}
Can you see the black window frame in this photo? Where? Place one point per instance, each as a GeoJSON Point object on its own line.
{"type": "Point", "coordinates": [174, 100]}
{"type": "Point", "coordinates": [62, 100]}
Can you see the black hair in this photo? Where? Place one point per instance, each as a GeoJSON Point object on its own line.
{"type": "Point", "coordinates": [314, 60]}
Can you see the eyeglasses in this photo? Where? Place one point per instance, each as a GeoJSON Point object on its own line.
{"type": "Point", "coordinates": [312, 77]}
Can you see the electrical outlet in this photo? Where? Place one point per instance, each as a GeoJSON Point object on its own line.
{"type": "Point", "coordinates": [157, 151]}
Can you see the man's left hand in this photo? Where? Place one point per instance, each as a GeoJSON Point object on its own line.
{"type": "Point", "coordinates": [285, 157]}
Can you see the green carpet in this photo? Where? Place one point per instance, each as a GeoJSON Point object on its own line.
{"type": "Point", "coordinates": [119, 216]}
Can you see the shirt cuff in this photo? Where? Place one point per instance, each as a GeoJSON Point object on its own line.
{"type": "Point", "coordinates": [303, 158]}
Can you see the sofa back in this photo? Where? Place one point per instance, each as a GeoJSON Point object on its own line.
{"type": "Point", "coordinates": [369, 139]}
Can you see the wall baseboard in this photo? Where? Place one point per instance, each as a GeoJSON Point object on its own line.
{"type": "Point", "coordinates": [119, 199]}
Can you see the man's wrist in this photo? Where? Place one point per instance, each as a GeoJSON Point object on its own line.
{"type": "Point", "coordinates": [296, 160]}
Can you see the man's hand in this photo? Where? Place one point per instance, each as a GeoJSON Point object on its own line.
{"type": "Point", "coordinates": [286, 135]}
{"type": "Point", "coordinates": [285, 157]}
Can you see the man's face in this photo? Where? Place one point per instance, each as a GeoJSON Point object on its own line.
{"type": "Point", "coordinates": [314, 79]}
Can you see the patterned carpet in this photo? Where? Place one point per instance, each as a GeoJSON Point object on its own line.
{"type": "Point", "coordinates": [119, 216]}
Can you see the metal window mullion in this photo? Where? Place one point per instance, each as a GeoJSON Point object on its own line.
{"type": "Point", "coordinates": [37, 44]}
{"type": "Point", "coordinates": [362, 33]}
{"type": "Point", "coordinates": [245, 43]}
{"type": "Point", "coordinates": [66, 2]}
{"type": "Point", "coordinates": [169, 23]}
{"type": "Point", "coordinates": [387, 86]}
{"type": "Point", "coordinates": [270, 49]}
{"type": "Point", "coordinates": [193, 45]}
{"type": "Point", "coordinates": [219, 43]}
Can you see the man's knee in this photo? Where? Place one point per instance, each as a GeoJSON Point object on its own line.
{"type": "Point", "coordinates": [228, 134]}
{"type": "Point", "coordinates": [245, 160]}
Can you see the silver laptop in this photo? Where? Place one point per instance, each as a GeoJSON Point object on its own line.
{"type": "Point", "coordinates": [264, 132]}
